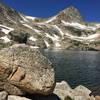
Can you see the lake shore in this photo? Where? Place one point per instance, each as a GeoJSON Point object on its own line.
{"type": "Point", "coordinates": [62, 91]}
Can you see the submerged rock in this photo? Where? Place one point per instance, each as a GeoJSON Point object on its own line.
{"type": "Point", "coordinates": [24, 69]}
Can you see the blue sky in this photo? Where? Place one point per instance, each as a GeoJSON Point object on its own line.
{"type": "Point", "coordinates": [90, 9]}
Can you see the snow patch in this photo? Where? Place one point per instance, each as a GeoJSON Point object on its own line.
{"type": "Point", "coordinates": [82, 38]}
{"type": "Point", "coordinates": [97, 25]}
{"type": "Point", "coordinates": [22, 21]}
{"type": "Point", "coordinates": [93, 36]}
{"type": "Point", "coordinates": [79, 26]}
{"type": "Point", "coordinates": [37, 31]}
{"type": "Point", "coordinates": [55, 40]}
{"type": "Point", "coordinates": [6, 29]}
{"type": "Point", "coordinates": [34, 47]}
{"type": "Point", "coordinates": [23, 17]}
{"type": "Point", "coordinates": [6, 39]}
{"type": "Point", "coordinates": [46, 43]}
{"type": "Point", "coordinates": [57, 44]}
{"type": "Point", "coordinates": [57, 37]}
{"type": "Point", "coordinates": [32, 38]}
{"type": "Point", "coordinates": [51, 37]}
{"type": "Point", "coordinates": [51, 19]}
{"type": "Point", "coordinates": [28, 26]}
{"type": "Point", "coordinates": [30, 17]}
{"type": "Point", "coordinates": [56, 27]}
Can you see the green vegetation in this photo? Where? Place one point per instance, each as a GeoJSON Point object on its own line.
{"type": "Point", "coordinates": [39, 20]}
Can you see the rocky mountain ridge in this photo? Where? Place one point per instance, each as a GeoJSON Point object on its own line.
{"type": "Point", "coordinates": [66, 30]}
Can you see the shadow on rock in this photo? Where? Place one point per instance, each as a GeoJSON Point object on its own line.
{"type": "Point", "coordinates": [41, 97]}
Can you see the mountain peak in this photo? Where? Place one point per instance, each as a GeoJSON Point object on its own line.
{"type": "Point", "coordinates": [71, 8]}
{"type": "Point", "coordinates": [72, 14]}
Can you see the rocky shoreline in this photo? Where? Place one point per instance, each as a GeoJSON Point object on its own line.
{"type": "Point", "coordinates": [62, 91]}
{"type": "Point", "coordinates": [25, 74]}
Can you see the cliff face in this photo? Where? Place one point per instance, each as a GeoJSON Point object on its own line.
{"type": "Point", "coordinates": [66, 30]}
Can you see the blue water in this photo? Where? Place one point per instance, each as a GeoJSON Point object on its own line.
{"type": "Point", "coordinates": [77, 67]}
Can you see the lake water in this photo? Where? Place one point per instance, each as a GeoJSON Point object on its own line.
{"type": "Point", "coordinates": [77, 67]}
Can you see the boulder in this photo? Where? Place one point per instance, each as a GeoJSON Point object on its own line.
{"type": "Point", "coordinates": [24, 69]}
{"type": "Point", "coordinates": [62, 90]}
{"type": "Point", "coordinates": [18, 36]}
{"type": "Point", "coordinates": [81, 90]}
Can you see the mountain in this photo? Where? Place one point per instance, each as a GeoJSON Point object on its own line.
{"type": "Point", "coordinates": [66, 30]}
{"type": "Point", "coordinates": [70, 14]}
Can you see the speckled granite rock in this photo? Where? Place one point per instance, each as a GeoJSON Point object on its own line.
{"type": "Point", "coordinates": [24, 69]}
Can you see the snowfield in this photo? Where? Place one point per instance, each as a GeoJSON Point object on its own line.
{"type": "Point", "coordinates": [79, 26]}
{"type": "Point", "coordinates": [5, 29]}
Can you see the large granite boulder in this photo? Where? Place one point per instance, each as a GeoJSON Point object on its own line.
{"type": "Point", "coordinates": [24, 69]}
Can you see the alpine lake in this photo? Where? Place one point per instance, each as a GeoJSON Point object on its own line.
{"type": "Point", "coordinates": [76, 67]}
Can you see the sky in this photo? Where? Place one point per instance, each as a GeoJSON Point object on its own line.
{"type": "Point", "coordinates": [90, 9]}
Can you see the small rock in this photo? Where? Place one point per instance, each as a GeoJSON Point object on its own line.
{"type": "Point", "coordinates": [81, 90]}
{"type": "Point", "coordinates": [3, 95]}
{"type": "Point", "coordinates": [97, 97]}
{"type": "Point", "coordinates": [62, 90]}
{"type": "Point", "coordinates": [63, 85]}
{"type": "Point", "coordinates": [90, 98]}
{"type": "Point", "coordinates": [12, 97]}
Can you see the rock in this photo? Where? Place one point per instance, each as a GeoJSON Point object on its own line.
{"type": "Point", "coordinates": [91, 98]}
{"type": "Point", "coordinates": [3, 95]}
{"type": "Point", "coordinates": [80, 93]}
{"type": "Point", "coordinates": [24, 69]}
{"type": "Point", "coordinates": [65, 92]}
{"type": "Point", "coordinates": [18, 36]}
{"type": "Point", "coordinates": [97, 97]}
{"type": "Point", "coordinates": [62, 90]}
{"type": "Point", "coordinates": [39, 43]}
{"type": "Point", "coordinates": [2, 33]}
{"type": "Point", "coordinates": [63, 85]}
{"type": "Point", "coordinates": [81, 90]}
{"type": "Point", "coordinates": [12, 97]}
